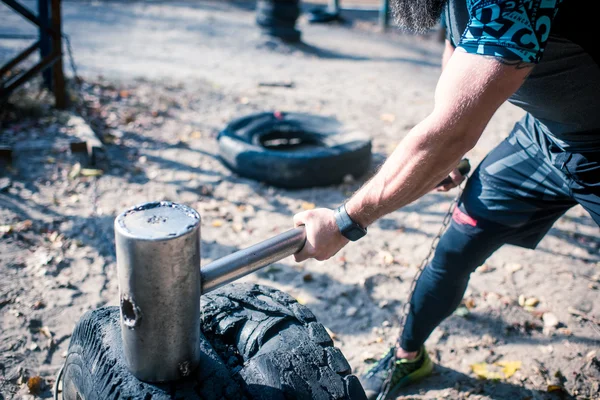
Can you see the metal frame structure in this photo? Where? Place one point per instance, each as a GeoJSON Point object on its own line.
{"type": "Point", "coordinates": [49, 43]}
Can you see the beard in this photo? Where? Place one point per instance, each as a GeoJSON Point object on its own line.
{"type": "Point", "coordinates": [417, 16]}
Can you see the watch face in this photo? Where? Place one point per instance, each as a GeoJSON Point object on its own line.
{"type": "Point", "coordinates": [354, 233]}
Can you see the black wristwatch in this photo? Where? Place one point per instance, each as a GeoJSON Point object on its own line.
{"type": "Point", "coordinates": [350, 229]}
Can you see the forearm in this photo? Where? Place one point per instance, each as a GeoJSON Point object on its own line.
{"type": "Point", "coordinates": [424, 158]}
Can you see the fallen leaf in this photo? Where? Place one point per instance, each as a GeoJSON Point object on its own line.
{"type": "Point", "coordinates": [237, 227]}
{"type": "Point", "coordinates": [38, 305]}
{"type": "Point", "coordinates": [75, 170]}
{"type": "Point", "coordinates": [485, 268]}
{"type": "Point", "coordinates": [513, 267]}
{"type": "Point", "coordinates": [91, 172]}
{"type": "Point", "coordinates": [497, 370]}
{"type": "Point", "coordinates": [388, 258]}
{"type": "Point", "coordinates": [6, 228]}
{"type": "Point", "coordinates": [387, 117]}
{"type": "Point", "coordinates": [532, 302]}
{"type": "Point", "coordinates": [482, 371]}
{"type": "Point", "coordinates": [521, 300]}
{"type": "Point", "coordinates": [124, 94]}
{"type": "Point", "coordinates": [509, 367]}
{"type": "Point", "coordinates": [308, 206]}
{"type": "Point", "coordinates": [44, 330]}
{"type": "Point", "coordinates": [217, 223]}
{"type": "Point", "coordinates": [469, 303]}
{"type": "Point", "coordinates": [50, 160]}
{"type": "Point", "coordinates": [196, 135]}
{"type": "Point", "coordinates": [301, 300]}
{"type": "Point", "coordinates": [555, 388]}
{"type": "Point", "coordinates": [36, 384]}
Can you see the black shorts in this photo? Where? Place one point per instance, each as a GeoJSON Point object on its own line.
{"type": "Point", "coordinates": [520, 191]}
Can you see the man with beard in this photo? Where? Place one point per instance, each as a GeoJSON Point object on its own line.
{"type": "Point", "coordinates": [539, 55]}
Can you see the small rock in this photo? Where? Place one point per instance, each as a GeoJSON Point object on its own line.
{"type": "Point", "coordinates": [386, 324]}
{"type": "Point", "coordinates": [33, 347]}
{"type": "Point", "coordinates": [351, 311]}
{"type": "Point", "coordinates": [383, 304]}
{"type": "Point", "coordinates": [550, 320]}
{"type": "Point", "coordinates": [307, 277]}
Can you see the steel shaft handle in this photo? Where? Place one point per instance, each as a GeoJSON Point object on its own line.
{"type": "Point", "coordinates": [241, 263]}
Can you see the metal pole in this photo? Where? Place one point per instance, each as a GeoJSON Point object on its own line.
{"type": "Point", "coordinates": [384, 14]}
{"type": "Point", "coordinates": [45, 44]}
{"type": "Point", "coordinates": [58, 77]}
{"type": "Point", "coordinates": [243, 262]}
{"type": "Point", "coordinates": [158, 265]}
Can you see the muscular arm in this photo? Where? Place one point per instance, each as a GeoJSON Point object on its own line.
{"type": "Point", "coordinates": [470, 90]}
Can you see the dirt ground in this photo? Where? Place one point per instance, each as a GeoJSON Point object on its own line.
{"type": "Point", "coordinates": [161, 79]}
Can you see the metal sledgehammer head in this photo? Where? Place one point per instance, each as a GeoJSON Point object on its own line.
{"type": "Point", "coordinates": [160, 282]}
{"type": "Point", "coordinates": [158, 265]}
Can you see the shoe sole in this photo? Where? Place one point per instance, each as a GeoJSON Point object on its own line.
{"type": "Point", "coordinates": [411, 378]}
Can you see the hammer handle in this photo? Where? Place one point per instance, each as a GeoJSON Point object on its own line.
{"type": "Point", "coordinates": [243, 262]}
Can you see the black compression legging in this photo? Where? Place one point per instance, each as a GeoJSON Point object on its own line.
{"type": "Point", "coordinates": [443, 282]}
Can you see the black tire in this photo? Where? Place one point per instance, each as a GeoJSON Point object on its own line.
{"type": "Point", "coordinates": [286, 353]}
{"type": "Point", "coordinates": [260, 344]}
{"type": "Point", "coordinates": [95, 368]}
{"type": "Point", "coordinates": [325, 153]}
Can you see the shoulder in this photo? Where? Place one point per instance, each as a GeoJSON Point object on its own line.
{"type": "Point", "coordinates": [512, 29]}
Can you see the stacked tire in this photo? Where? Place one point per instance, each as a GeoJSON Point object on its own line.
{"type": "Point", "coordinates": [257, 343]}
{"type": "Point", "coordinates": [278, 18]}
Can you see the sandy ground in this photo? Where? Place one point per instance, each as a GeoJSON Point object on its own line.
{"type": "Point", "coordinates": [161, 80]}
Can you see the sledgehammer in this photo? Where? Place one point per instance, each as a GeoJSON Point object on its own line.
{"type": "Point", "coordinates": [160, 283]}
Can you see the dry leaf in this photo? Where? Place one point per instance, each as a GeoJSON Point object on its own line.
{"type": "Point", "coordinates": [469, 303]}
{"type": "Point", "coordinates": [6, 228]}
{"type": "Point", "coordinates": [513, 267]}
{"type": "Point", "coordinates": [36, 384]}
{"type": "Point", "coordinates": [301, 300]}
{"type": "Point", "coordinates": [217, 223]}
{"type": "Point", "coordinates": [196, 135]}
{"type": "Point", "coordinates": [237, 227]}
{"type": "Point", "coordinates": [75, 170]}
{"type": "Point", "coordinates": [44, 330]}
{"type": "Point", "coordinates": [521, 300]}
{"type": "Point", "coordinates": [50, 160]}
{"type": "Point", "coordinates": [388, 258]}
{"type": "Point", "coordinates": [308, 206]}
{"type": "Point", "coordinates": [482, 371]}
{"type": "Point", "coordinates": [387, 117]}
{"type": "Point", "coordinates": [532, 302]}
{"type": "Point", "coordinates": [91, 172]}
{"type": "Point", "coordinates": [492, 371]}
{"type": "Point", "coordinates": [124, 94]}
{"type": "Point", "coordinates": [509, 367]}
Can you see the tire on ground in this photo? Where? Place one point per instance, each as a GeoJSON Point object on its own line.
{"type": "Point", "coordinates": [259, 344]}
{"type": "Point", "coordinates": [311, 151]}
